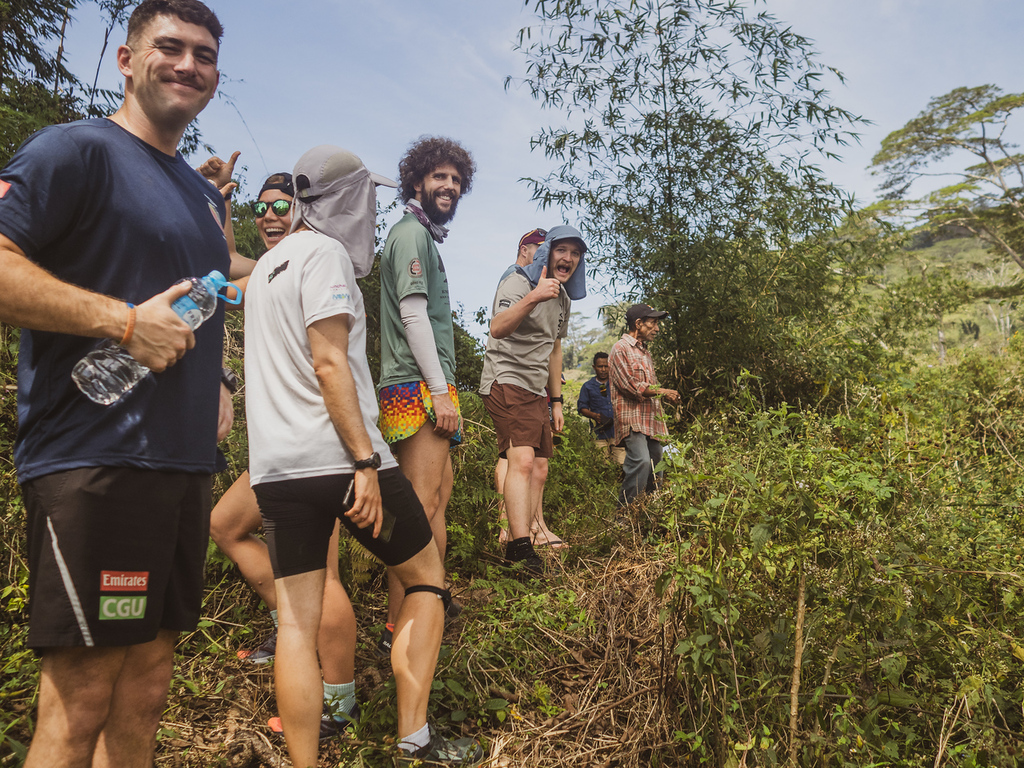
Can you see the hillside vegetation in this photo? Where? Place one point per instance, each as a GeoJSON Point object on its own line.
{"type": "Point", "coordinates": [807, 588]}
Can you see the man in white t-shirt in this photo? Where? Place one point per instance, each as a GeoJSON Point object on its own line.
{"type": "Point", "coordinates": [316, 454]}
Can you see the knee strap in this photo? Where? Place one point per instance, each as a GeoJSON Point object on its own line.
{"type": "Point", "coordinates": [444, 594]}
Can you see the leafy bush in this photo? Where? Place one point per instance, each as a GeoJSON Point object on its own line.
{"type": "Point", "coordinates": [843, 589]}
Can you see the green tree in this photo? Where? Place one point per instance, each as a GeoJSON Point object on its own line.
{"type": "Point", "coordinates": [28, 105]}
{"type": "Point", "coordinates": [684, 157]}
{"type": "Point", "coordinates": [30, 72]}
{"type": "Point", "coordinates": [26, 28]}
{"type": "Point", "coordinates": [987, 196]}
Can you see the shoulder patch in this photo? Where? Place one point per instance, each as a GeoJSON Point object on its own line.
{"type": "Point", "coordinates": [278, 270]}
{"type": "Point", "coordinates": [504, 303]}
{"type": "Point", "coordinates": [415, 268]}
{"type": "Point", "coordinates": [4, 186]}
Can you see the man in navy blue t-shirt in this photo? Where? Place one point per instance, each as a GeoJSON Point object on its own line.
{"type": "Point", "coordinates": [97, 219]}
{"type": "Point", "coordinates": [595, 403]}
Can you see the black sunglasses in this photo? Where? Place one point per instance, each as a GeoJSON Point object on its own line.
{"type": "Point", "coordinates": [280, 208]}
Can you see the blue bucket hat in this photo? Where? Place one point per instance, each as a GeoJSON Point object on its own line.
{"type": "Point", "coordinates": [576, 287]}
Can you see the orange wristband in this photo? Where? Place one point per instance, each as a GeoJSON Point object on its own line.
{"type": "Point", "coordinates": [130, 327]}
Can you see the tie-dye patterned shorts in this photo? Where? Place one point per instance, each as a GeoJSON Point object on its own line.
{"type": "Point", "coordinates": [404, 408]}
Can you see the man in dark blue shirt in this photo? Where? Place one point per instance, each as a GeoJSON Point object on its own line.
{"type": "Point", "coordinates": [595, 404]}
{"type": "Point", "coordinates": [97, 219]}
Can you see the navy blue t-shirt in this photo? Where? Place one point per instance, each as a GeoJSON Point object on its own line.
{"type": "Point", "coordinates": [100, 208]}
{"type": "Point", "coordinates": [594, 397]}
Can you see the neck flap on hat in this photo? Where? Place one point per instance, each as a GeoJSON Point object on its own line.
{"type": "Point", "coordinates": [576, 286]}
{"type": "Point", "coordinates": [346, 212]}
{"type": "Point", "coordinates": [437, 232]}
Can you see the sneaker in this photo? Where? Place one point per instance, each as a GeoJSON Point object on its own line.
{"type": "Point", "coordinates": [262, 655]}
{"type": "Point", "coordinates": [452, 611]}
{"type": "Point", "coordinates": [384, 644]}
{"type": "Point", "coordinates": [330, 726]}
{"type": "Point", "coordinates": [442, 751]}
{"type": "Point", "coordinates": [521, 556]}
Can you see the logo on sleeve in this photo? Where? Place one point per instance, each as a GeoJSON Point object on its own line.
{"type": "Point", "coordinates": [415, 268]}
{"type": "Point", "coordinates": [215, 212]}
{"type": "Point", "coordinates": [340, 292]}
{"type": "Point", "coordinates": [278, 270]}
{"type": "Point", "coordinates": [4, 186]}
{"type": "Point", "coordinates": [504, 303]}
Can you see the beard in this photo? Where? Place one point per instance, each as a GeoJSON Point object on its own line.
{"type": "Point", "coordinates": [434, 213]}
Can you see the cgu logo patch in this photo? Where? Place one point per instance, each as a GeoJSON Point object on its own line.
{"type": "Point", "coordinates": [119, 607]}
{"type": "Point", "coordinates": [123, 607]}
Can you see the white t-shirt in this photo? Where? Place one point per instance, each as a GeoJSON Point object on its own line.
{"type": "Point", "coordinates": [305, 278]}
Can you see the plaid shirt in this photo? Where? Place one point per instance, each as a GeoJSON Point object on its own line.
{"type": "Point", "coordinates": [632, 372]}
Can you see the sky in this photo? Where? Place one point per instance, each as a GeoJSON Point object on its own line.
{"type": "Point", "coordinates": [372, 77]}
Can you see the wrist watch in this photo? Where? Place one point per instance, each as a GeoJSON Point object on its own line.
{"type": "Point", "coordinates": [229, 380]}
{"type": "Point", "coordinates": [557, 399]}
{"type": "Point", "coordinates": [372, 462]}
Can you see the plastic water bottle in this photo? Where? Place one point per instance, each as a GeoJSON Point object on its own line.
{"type": "Point", "coordinates": [108, 372]}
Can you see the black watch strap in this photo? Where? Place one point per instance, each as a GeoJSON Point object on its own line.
{"type": "Point", "coordinates": [371, 462]}
{"type": "Point", "coordinates": [229, 380]}
{"type": "Point", "coordinates": [557, 399]}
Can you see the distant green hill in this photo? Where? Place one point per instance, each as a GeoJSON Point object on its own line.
{"type": "Point", "coordinates": [963, 295]}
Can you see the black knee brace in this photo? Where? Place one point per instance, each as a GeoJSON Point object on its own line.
{"type": "Point", "coordinates": [444, 594]}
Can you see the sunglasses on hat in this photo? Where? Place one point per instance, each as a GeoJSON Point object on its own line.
{"type": "Point", "coordinates": [280, 208]}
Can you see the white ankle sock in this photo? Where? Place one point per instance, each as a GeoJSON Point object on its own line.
{"type": "Point", "coordinates": [417, 740]}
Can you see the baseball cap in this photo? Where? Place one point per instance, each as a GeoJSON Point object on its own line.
{"type": "Point", "coordinates": [320, 168]}
{"type": "Point", "coordinates": [337, 196]}
{"type": "Point", "coordinates": [639, 311]}
{"type": "Point", "coordinates": [533, 237]}
{"type": "Point", "coordinates": [280, 181]}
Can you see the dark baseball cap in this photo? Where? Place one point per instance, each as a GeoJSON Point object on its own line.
{"type": "Point", "coordinates": [640, 311]}
{"type": "Point", "coordinates": [533, 237]}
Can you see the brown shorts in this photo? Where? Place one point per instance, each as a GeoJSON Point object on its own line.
{"type": "Point", "coordinates": [520, 418]}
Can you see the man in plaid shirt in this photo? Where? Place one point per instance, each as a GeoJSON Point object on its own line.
{"type": "Point", "coordinates": [639, 419]}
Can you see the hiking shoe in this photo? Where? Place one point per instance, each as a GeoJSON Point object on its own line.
{"type": "Point", "coordinates": [332, 725]}
{"type": "Point", "coordinates": [442, 751]}
{"type": "Point", "coordinates": [384, 644]}
{"type": "Point", "coordinates": [264, 654]}
{"type": "Point", "coordinates": [452, 611]}
{"type": "Point", "coordinates": [520, 555]}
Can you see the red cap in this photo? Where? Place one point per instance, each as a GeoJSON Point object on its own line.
{"type": "Point", "coordinates": [533, 237]}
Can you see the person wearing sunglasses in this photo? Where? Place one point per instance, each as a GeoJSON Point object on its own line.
{"type": "Point", "coordinates": [235, 520]}
{"type": "Point", "coordinates": [272, 209]}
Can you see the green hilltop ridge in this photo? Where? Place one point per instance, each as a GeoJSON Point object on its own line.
{"type": "Point", "coordinates": [954, 290]}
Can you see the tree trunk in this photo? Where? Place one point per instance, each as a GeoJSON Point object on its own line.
{"type": "Point", "coordinates": [60, 49]}
{"type": "Point", "coordinates": [794, 687]}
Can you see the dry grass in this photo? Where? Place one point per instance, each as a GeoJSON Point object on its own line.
{"type": "Point", "coordinates": [608, 700]}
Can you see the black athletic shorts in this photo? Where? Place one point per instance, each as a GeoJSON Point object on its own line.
{"type": "Point", "coordinates": [298, 518]}
{"type": "Point", "coordinates": [115, 554]}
